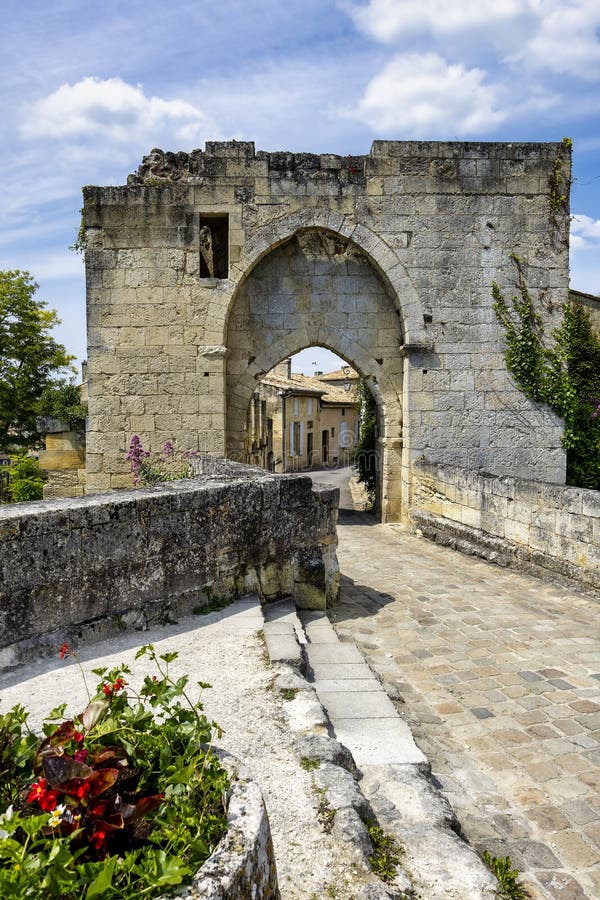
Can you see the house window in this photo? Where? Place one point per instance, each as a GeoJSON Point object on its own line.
{"type": "Point", "coordinates": [296, 406]}
{"type": "Point", "coordinates": [310, 406]}
{"type": "Point", "coordinates": [343, 411]}
{"type": "Point", "coordinates": [333, 432]}
{"type": "Point", "coordinates": [309, 425]}
{"type": "Point", "coordinates": [214, 245]}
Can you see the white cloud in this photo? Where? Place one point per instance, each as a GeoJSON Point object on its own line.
{"type": "Point", "coordinates": [585, 232]}
{"type": "Point", "coordinates": [113, 111]}
{"type": "Point", "coordinates": [558, 36]}
{"type": "Point", "coordinates": [422, 95]}
{"type": "Point", "coordinates": [388, 20]}
{"type": "Point", "coordinates": [566, 39]}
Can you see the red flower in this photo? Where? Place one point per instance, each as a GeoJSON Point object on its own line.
{"type": "Point", "coordinates": [99, 809]}
{"type": "Point", "coordinates": [83, 790]}
{"type": "Point", "coordinates": [45, 799]}
{"type": "Point", "coordinates": [64, 651]}
{"type": "Point", "coordinates": [81, 755]}
{"type": "Point", "coordinates": [114, 688]}
{"type": "Point", "coordinates": [78, 737]}
{"type": "Point", "coordinates": [49, 801]}
{"type": "Point", "coordinates": [37, 790]}
{"type": "Point", "coordinates": [98, 839]}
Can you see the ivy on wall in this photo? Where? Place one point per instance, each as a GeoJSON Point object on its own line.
{"type": "Point", "coordinates": [366, 448]}
{"type": "Point", "coordinates": [559, 185]}
{"type": "Point", "coordinates": [565, 375]}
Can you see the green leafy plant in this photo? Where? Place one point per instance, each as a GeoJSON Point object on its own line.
{"type": "Point", "coordinates": [325, 811]}
{"type": "Point", "coordinates": [387, 853]}
{"type": "Point", "coordinates": [289, 693]}
{"type": "Point", "coordinates": [26, 479]}
{"type": "Point", "coordinates": [124, 800]}
{"type": "Point", "coordinates": [169, 465]}
{"type": "Point", "coordinates": [508, 883]}
{"type": "Point", "coordinates": [62, 400]}
{"type": "Point", "coordinates": [309, 764]}
{"type": "Point", "coordinates": [564, 375]}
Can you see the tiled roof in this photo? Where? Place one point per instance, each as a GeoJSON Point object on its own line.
{"type": "Point", "coordinates": [347, 372]}
{"type": "Point", "coordinates": [304, 384]}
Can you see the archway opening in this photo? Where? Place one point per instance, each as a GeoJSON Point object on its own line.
{"type": "Point", "coordinates": [314, 412]}
{"type": "Point", "coordinates": [317, 289]}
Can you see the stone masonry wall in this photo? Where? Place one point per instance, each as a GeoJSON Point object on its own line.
{"type": "Point", "coordinates": [511, 521]}
{"type": "Point", "coordinates": [80, 568]}
{"type": "Point", "coordinates": [432, 223]}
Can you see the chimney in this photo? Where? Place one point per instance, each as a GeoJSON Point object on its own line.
{"type": "Point", "coordinates": [283, 369]}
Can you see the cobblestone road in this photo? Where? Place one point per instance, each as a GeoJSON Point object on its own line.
{"type": "Point", "coordinates": [499, 675]}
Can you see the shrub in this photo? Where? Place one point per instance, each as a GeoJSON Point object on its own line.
{"type": "Point", "coordinates": [26, 479]}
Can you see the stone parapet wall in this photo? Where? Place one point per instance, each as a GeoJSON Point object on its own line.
{"type": "Point", "coordinates": [77, 569]}
{"type": "Point", "coordinates": [511, 521]}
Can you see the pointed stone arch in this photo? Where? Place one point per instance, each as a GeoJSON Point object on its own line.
{"type": "Point", "coordinates": [318, 287]}
{"type": "Point", "coordinates": [380, 254]}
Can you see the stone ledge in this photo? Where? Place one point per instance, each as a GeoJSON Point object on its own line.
{"type": "Point", "coordinates": [243, 864]}
{"type": "Point", "coordinates": [475, 542]}
{"type": "Point", "coordinates": [83, 567]}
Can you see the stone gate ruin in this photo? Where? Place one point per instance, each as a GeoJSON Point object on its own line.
{"type": "Point", "coordinates": [209, 268]}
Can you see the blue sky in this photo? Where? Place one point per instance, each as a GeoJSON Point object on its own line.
{"type": "Point", "coordinates": [88, 89]}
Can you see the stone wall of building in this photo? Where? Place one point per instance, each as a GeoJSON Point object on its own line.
{"type": "Point", "coordinates": [387, 259]}
{"type": "Point", "coordinates": [76, 569]}
{"type": "Point", "coordinates": [511, 521]}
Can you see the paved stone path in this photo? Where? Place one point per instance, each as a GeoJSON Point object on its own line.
{"type": "Point", "coordinates": [498, 675]}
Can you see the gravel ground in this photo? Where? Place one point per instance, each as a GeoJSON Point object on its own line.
{"type": "Point", "coordinates": [225, 649]}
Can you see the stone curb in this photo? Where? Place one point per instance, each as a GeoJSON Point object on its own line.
{"type": "Point", "coordinates": [243, 863]}
{"type": "Point", "coordinates": [335, 773]}
{"type": "Point", "coordinates": [384, 778]}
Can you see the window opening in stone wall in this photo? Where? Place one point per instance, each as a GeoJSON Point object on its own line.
{"type": "Point", "coordinates": [214, 245]}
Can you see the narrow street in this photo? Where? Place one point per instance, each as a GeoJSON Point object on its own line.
{"type": "Point", "coordinates": [498, 676]}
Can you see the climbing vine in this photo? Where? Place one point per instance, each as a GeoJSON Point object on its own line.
{"type": "Point", "coordinates": [80, 243]}
{"type": "Point", "coordinates": [564, 375]}
{"type": "Point", "coordinates": [366, 448]}
{"type": "Point", "coordinates": [559, 185]}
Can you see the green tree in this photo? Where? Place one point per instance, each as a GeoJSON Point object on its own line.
{"type": "Point", "coordinates": [564, 375]}
{"type": "Point", "coordinates": [62, 400]}
{"type": "Point", "coordinates": [29, 356]}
